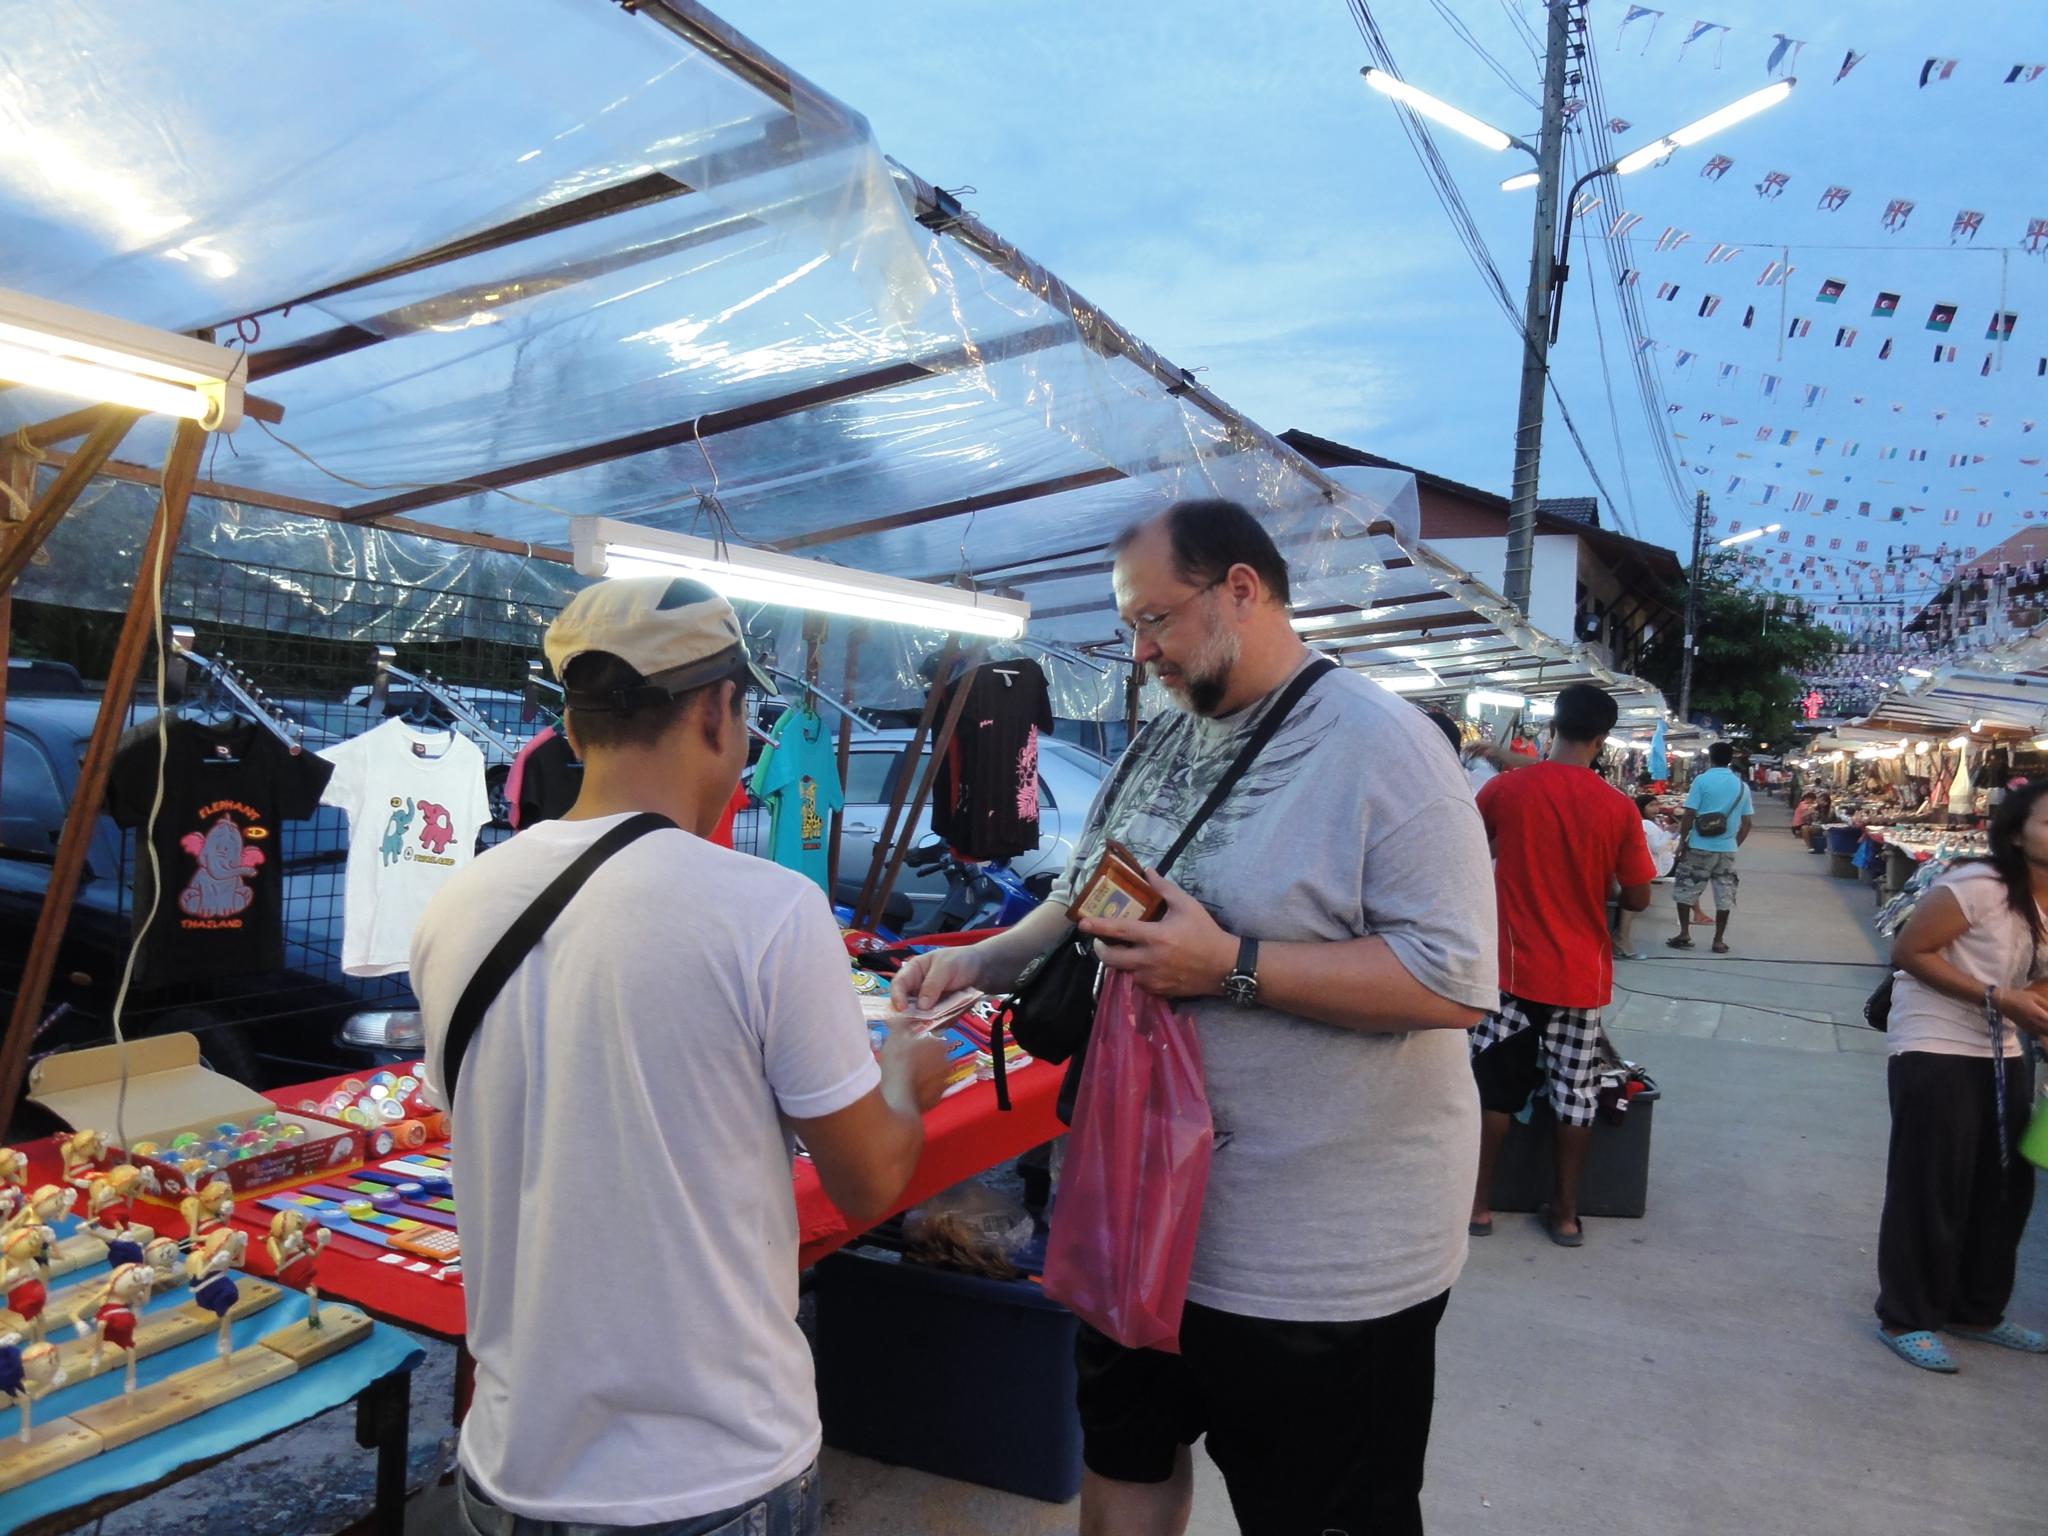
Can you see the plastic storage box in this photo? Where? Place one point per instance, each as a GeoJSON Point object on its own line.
{"type": "Point", "coordinates": [948, 1373]}
{"type": "Point", "coordinates": [1616, 1181]}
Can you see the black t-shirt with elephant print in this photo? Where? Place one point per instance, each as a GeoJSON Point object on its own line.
{"type": "Point", "coordinates": [227, 792]}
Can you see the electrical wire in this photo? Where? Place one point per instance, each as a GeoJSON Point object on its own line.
{"type": "Point", "coordinates": [1464, 35]}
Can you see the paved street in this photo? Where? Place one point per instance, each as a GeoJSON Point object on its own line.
{"type": "Point", "coordinates": [1709, 1368]}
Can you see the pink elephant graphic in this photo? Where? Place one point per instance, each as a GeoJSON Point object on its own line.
{"type": "Point", "coordinates": [220, 886]}
{"type": "Point", "coordinates": [437, 827]}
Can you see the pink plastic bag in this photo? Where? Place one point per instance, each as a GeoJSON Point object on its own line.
{"type": "Point", "coordinates": [1136, 1166]}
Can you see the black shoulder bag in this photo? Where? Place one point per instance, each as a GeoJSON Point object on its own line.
{"type": "Point", "coordinates": [507, 954]}
{"type": "Point", "coordinates": [1052, 1010]}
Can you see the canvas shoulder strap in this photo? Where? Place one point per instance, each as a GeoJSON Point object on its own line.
{"type": "Point", "coordinates": [510, 951]}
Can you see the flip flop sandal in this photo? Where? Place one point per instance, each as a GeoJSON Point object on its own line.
{"type": "Point", "coordinates": [1678, 944]}
{"type": "Point", "coordinates": [2007, 1336]}
{"type": "Point", "coordinates": [1720, 949]}
{"type": "Point", "coordinates": [1479, 1229]}
{"type": "Point", "coordinates": [1922, 1349]}
{"type": "Point", "coordinates": [1562, 1239]}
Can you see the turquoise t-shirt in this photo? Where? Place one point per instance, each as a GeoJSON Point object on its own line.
{"type": "Point", "coordinates": [1719, 789]}
{"type": "Point", "coordinates": [797, 778]}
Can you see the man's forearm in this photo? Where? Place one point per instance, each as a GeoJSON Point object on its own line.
{"type": "Point", "coordinates": [1009, 952]}
{"type": "Point", "coordinates": [1354, 984]}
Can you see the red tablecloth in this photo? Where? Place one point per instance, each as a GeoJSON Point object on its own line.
{"type": "Point", "coordinates": [964, 1135]}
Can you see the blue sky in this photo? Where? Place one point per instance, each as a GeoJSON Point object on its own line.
{"type": "Point", "coordinates": [1219, 179]}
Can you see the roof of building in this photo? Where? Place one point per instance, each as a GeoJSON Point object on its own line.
{"type": "Point", "coordinates": [1657, 566]}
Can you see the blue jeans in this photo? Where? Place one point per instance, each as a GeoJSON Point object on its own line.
{"type": "Point", "coordinates": [794, 1509]}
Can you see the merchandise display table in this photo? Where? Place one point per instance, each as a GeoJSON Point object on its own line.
{"type": "Point", "coordinates": [964, 1135]}
{"type": "Point", "coordinates": [373, 1370]}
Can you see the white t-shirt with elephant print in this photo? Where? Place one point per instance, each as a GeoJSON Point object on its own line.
{"type": "Point", "coordinates": [416, 801]}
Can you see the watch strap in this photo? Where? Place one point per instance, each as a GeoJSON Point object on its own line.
{"type": "Point", "coordinates": [1247, 958]}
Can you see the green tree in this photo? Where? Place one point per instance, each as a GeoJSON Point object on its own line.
{"type": "Point", "coordinates": [1753, 651]}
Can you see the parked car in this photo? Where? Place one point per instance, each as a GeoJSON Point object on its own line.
{"type": "Point", "coordinates": [1068, 778]}
{"type": "Point", "coordinates": [263, 1029]}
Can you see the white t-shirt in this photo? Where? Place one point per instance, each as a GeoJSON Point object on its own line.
{"type": "Point", "coordinates": [1663, 846]}
{"type": "Point", "coordinates": [1995, 949]}
{"type": "Point", "coordinates": [416, 801]}
{"type": "Point", "coordinates": [1478, 771]}
{"type": "Point", "coordinates": [629, 1232]}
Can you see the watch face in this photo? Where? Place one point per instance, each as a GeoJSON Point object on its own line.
{"type": "Point", "coordinates": [1242, 990]}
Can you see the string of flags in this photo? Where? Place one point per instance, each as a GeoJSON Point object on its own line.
{"type": "Point", "coordinates": [1897, 216]}
{"type": "Point", "coordinates": [1641, 23]}
{"type": "Point", "coordinates": [1998, 329]}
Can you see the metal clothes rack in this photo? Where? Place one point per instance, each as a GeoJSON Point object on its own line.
{"type": "Point", "coordinates": [827, 699]}
{"type": "Point", "coordinates": [459, 710]}
{"type": "Point", "coordinates": [236, 685]}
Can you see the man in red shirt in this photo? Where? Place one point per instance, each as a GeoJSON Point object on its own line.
{"type": "Point", "coordinates": [1562, 838]}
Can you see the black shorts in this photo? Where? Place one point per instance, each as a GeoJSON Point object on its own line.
{"type": "Point", "coordinates": [1316, 1427]}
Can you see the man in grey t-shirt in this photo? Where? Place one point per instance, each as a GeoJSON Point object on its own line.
{"type": "Point", "coordinates": [1347, 876]}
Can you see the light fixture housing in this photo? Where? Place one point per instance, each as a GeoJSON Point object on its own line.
{"type": "Point", "coordinates": [1520, 182]}
{"type": "Point", "coordinates": [1483, 134]}
{"type": "Point", "coordinates": [89, 356]}
{"type": "Point", "coordinates": [604, 546]}
{"type": "Point", "coordinates": [1713, 122]}
{"type": "Point", "coordinates": [1482, 698]}
{"type": "Point", "coordinates": [1404, 682]}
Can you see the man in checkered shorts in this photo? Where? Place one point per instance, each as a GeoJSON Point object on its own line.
{"type": "Point", "coordinates": [1564, 840]}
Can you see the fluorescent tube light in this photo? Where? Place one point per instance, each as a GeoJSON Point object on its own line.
{"type": "Point", "coordinates": [95, 357]}
{"type": "Point", "coordinates": [1481, 697]}
{"type": "Point", "coordinates": [1404, 682]}
{"type": "Point", "coordinates": [1438, 111]}
{"type": "Point", "coordinates": [1521, 182]}
{"type": "Point", "coordinates": [606, 547]}
{"type": "Point", "coordinates": [1713, 122]}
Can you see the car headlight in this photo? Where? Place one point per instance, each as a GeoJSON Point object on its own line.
{"type": "Point", "coordinates": [386, 1030]}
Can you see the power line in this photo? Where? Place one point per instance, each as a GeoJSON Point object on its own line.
{"type": "Point", "coordinates": [1464, 35]}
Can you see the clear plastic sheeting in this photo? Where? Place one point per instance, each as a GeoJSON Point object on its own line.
{"type": "Point", "coordinates": [391, 586]}
{"type": "Point", "coordinates": [507, 263]}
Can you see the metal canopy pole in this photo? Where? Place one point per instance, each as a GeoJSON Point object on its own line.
{"type": "Point", "coordinates": [181, 467]}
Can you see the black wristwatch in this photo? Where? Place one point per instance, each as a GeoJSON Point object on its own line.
{"type": "Point", "coordinates": [1241, 986]}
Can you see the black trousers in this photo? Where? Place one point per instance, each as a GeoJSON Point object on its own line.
{"type": "Point", "coordinates": [1319, 1429]}
{"type": "Point", "coordinates": [1950, 1237]}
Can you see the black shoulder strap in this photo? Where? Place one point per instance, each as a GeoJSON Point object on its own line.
{"type": "Point", "coordinates": [1283, 706]}
{"type": "Point", "coordinates": [510, 951]}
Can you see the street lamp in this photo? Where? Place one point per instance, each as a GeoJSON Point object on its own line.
{"type": "Point", "coordinates": [1744, 538]}
{"type": "Point", "coordinates": [1547, 261]}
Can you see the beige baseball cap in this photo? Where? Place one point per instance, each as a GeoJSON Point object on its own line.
{"type": "Point", "coordinates": [675, 631]}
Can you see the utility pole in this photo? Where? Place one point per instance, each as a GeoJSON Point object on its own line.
{"type": "Point", "coordinates": [1521, 553]}
{"type": "Point", "coordinates": [1692, 608]}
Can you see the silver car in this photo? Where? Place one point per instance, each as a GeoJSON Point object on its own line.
{"type": "Point", "coordinates": [1068, 778]}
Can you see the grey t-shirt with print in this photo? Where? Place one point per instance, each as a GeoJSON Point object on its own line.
{"type": "Point", "coordinates": [1342, 1177]}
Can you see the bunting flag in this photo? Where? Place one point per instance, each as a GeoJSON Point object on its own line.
{"type": "Point", "coordinates": [1941, 317]}
{"type": "Point", "coordinates": [1669, 291]}
{"type": "Point", "coordinates": [1763, 434]}
{"type": "Point", "coordinates": [1968, 222]}
{"type": "Point", "coordinates": [1630, 276]}
{"type": "Point", "coordinates": [1634, 14]}
{"type": "Point", "coordinates": [1983, 418]}
{"type": "Point", "coordinates": [1885, 351]}
{"type": "Point", "coordinates": [1849, 61]}
{"type": "Point", "coordinates": [2001, 326]}
{"type": "Point", "coordinates": [1985, 371]}
{"type": "Point", "coordinates": [1723, 254]}
{"type": "Point", "coordinates": [1937, 69]}
{"type": "Point", "coordinates": [1814, 395]}
{"type": "Point", "coordinates": [2024, 74]}
{"type": "Point", "coordinates": [1684, 357]}
{"type": "Point", "coordinates": [1672, 238]}
{"type": "Point", "coordinates": [1771, 383]}
{"type": "Point", "coordinates": [1709, 304]}
{"type": "Point", "coordinates": [1833, 199]}
{"type": "Point", "coordinates": [1886, 306]}
{"type": "Point", "coordinates": [1831, 290]}
{"type": "Point", "coordinates": [1619, 125]}
{"type": "Point", "coordinates": [2036, 238]}
{"type": "Point", "coordinates": [1702, 30]}
{"type": "Point", "coordinates": [1586, 204]}
{"type": "Point", "coordinates": [1773, 184]}
{"type": "Point", "coordinates": [1944, 354]}
{"type": "Point", "coordinates": [1716, 168]}
{"type": "Point", "coordinates": [1729, 371]}
{"type": "Point", "coordinates": [1764, 277]}
{"type": "Point", "coordinates": [1846, 336]}
{"type": "Point", "coordinates": [1623, 223]}
{"type": "Point", "coordinates": [1800, 328]}
{"type": "Point", "coordinates": [1896, 212]}
{"type": "Point", "coordinates": [1749, 320]}
{"type": "Point", "coordinates": [1733, 482]}
{"type": "Point", "coordinates": [1983, 519]}
{"type": "Point", "coordinates": [1802, 501]}
{"type": "Point", "coordinates": [1785, 55]}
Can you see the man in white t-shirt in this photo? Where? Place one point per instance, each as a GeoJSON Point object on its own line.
{"type": "Point", "coordinates": [623, 1112]}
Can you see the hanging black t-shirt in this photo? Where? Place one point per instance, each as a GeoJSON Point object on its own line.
{"type": "Point", "coordinates": [227, 794]}
{"type": "Point", "coordinates": [986, 805]}
{"type": "Point", "coordinates": [550, 781]}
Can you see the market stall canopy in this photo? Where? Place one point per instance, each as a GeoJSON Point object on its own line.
{"type": "Point", "coordinates": [555, 257]}
{"type": "Point", "coordinates": [2005, 688]}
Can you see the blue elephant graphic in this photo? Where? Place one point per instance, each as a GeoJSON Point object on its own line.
{"type": "Point", "coordinates": [393, 847]}
{"type": "Point", "coordinates": [220, 886]}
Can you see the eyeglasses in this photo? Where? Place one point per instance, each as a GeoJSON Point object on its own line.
{"type": "Point", "coordinates": [1153, 626]}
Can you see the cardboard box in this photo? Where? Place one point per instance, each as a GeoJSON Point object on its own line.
{"type": "Point", "coordinates": [169, 1093]}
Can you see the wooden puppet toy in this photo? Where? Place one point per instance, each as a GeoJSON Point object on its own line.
{"type": "Point", "coordinates": [295, 1244]}
{"type": "Point", "coordinates": [27, 1372]}
{"type": "Point", "coordinates": [115, 1308]}
{"type": "Point", "coordinates": [213, 1287]}
{"type": "Point", "coordinates": [207, 1208]}
{"type": "Point", "coordinates": [109, 1203]}
{"type": "Point", "coordinates": [163, 1255]}
{"type": "Point", "coordinates": [81, 1152]}
{"type": "Point", "coordinates": [13, 1178]}
{"type": "Point", "coordinates": [23, 1260]}
{"type": "Point", "coordinates": [45, 1208]}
